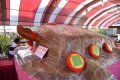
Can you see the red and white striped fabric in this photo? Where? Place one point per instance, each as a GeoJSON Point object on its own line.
{"type": "Point", "coordinates": [113, 22]}
{"type": "Point", "coordinates": [100, 19]}
{"type": "Point", "coordinates": [105, 24]}
{"type": "Point", "coordinates": [83, 13]}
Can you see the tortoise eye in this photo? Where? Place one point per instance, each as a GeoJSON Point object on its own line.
{"type": "Point", "coordinates": [27, 29]}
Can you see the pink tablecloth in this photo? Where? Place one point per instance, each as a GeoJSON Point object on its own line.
{"type": "Point", "coordinates": [22, 75]}
{"type": "Point", "coordinates": [115, 69]}
{"type": "Point", "coordinates": [7, 70]}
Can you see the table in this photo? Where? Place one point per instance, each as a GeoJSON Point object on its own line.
{"type": "Point", "coordinates": [7, 69]}
{"type": "Point", "coordinates": [22, 75]}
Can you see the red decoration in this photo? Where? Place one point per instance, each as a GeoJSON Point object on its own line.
{"type": "Point", "coordinates": [30, 42]}
{"type": "Point", "coordinates": [107, 47]}
{"type": "Point", "coordinates": [34, 36]}
{"type": "Point", "coordinates": [94, 51]}
{"type": "Point", "coordinates": [32, 49]}
{"type": "Point", "coordinates": [75, 62]}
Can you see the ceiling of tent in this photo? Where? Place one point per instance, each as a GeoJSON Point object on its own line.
{"type": "Point", "coordinates": [81, 13]}
{"type": "Point", "coordinates": [116, 23]}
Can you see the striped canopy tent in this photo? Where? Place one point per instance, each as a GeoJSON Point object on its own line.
{"type": "Point", "coordinates": [81, 13]}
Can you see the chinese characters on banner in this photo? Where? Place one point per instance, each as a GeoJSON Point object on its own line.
{"type": "Point", "coordinates": [41, 51]}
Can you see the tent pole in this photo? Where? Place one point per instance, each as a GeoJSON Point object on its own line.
{"type": "Point", "coordinates": [5, 34]}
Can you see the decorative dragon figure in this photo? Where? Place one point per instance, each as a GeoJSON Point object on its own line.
{"type": "Point", "coordinates": [61, 40]}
